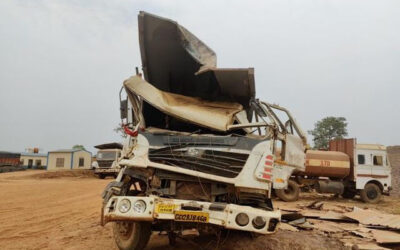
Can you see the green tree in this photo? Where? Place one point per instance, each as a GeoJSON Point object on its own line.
{"type": "Point", "coordinates": [78, 147]}
{"type": "Point", "coordinates": [328, 129]}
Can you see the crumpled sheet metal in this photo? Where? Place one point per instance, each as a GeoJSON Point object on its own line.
{"type": "Point", "coordinates": [386, 237]}
{"type": "Point", "coordinates": [213, 115]}
{"type": "Point", "coordinates": [374, 218]}
{"type": "Point", "coordinates": [176, 61]}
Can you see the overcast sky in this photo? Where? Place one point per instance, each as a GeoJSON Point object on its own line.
{"type": "Point", "coordinates": [63, 62]}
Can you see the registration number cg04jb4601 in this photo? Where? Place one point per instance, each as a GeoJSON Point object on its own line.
{"type": "Point", "coordinates": [191, 216]}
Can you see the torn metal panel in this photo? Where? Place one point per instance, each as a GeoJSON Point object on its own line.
{"type": "Point", "coordinates": [374, 218]}
{"type": "Point", "coordinates": [331, 215]}
{"type": "Point", "coordinates": [294, 152]}
{"type": "Point", "coordinates": [326, 226]}
{"type": "Point", "coordinates": [312, 214]}
{"type": "Point", "coordinates": [316, 205]}
{"type": "Point", "coordinates": [386, 237]}
{"type": "Point", "coordinates": [287, 227]}
{"type": "Point", "coordinates": [370, 246]}
{"type": "Point", "coordinates": [176, 61]}
{"type": "Point", "coordinates": [213, 115]}
{"type": "Point", "coordinates": [360, 234]}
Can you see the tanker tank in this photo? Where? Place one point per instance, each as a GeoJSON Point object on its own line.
{"type": "Point", "coordinates": [327, 164]}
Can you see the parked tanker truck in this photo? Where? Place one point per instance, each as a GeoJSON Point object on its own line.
{"type": "Point", "coordinates": [347, 169]}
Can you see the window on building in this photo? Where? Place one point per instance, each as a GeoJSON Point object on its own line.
{"type": "Point", "coordinates": [361, 159]}
{"type": "Point", "coordinates": [38, 163]}
{"type": "Point", "coordinates": [60, 162]}
{"type": "Point", "coordinates": [81, 162]}
{"type": "Point", "coordinates": [378, 160]}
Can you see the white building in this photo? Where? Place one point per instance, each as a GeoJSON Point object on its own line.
{"type": "Point", "coordinates": [69, 159]}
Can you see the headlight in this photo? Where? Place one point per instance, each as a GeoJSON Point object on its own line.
{"type": "Point", "coordinates": [139, 206]}
{"type": "Point", "coordinates": [259, 222]}
{"type": "Point", "coordinates": [242, 219]}
{"type": "Point", "coordinates": [124, 206]}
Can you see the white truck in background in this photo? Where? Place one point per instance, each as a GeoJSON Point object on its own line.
{"type": "Point", "coordinates": [347, 169]}
{"type": "Point", "coordinates": [106, 160]}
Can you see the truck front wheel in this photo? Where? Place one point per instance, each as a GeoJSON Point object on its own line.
{"type": "Point", "coordinates": [371, 193]}
{"type": "Point", "coordinates": [130, 235]}
{"type": "Point", "coordinates": [289, 194]}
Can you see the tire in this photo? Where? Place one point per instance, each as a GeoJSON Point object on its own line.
{"type": "Point", "coordinates": [349, 193]}
{"type": "Point", "coordinates": [371, 193]}
{"type": "Point", "coordinates": [102, 176]}
{"type": "Point", "coordinates": [131, 235]}
{"type": "Point", "coordinates": [289, 194]}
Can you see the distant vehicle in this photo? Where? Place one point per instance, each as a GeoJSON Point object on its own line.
{"type": "Point", "coordinates": [347, 169]}
{"type": "Point", "coordinates": [106, 159]}
{"type": "Point", "coordinates": [10, 162]}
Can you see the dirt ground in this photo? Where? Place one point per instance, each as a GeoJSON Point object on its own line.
{"type": "Point", "coordinates": [45, 210]}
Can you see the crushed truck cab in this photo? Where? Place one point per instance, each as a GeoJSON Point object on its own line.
{"type": "Point", "coordinates": [202, 152]}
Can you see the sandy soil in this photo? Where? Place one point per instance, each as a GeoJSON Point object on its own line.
{"type": "Point", "coordinates": [42, 210]}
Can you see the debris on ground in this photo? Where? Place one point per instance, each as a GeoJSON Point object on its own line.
{"type": "Point", "coordinates": [374, 218]}
{"type": "Point", "coordinates": [355, 227]}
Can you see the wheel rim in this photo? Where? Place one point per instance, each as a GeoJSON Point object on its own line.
{"type": "Point", "coordinates": [372, 194]}
{"type": "Point", "coordinates": [289, 190]}
{"type": "Point", "coordinates": [125, 229]}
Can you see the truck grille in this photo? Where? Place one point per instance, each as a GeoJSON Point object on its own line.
{"type": "Point", "coordinates": [222, 163]}
{"type": "Point", "coordinates": [105, 163]}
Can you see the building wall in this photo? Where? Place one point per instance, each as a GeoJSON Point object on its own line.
{"type": "Point", "coordinates": [52, 159]}
{"type": "Point", "coordinates": [394, 159]}
{"type": "Point", "coordinates": [87, 158]}
{"type": "Point", "coordinates": [25, 160]}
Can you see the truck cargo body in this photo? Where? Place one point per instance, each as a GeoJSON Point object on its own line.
{"type": "Point", "coordinates": [10, 162]}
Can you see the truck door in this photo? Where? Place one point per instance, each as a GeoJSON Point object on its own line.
{"type": "Point", "coordinates": [363, 164]}
{"type": "Point", "coordinates": [380, 168]}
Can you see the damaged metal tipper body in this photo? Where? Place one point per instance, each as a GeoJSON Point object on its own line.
{"type": "Point", "coordinates": [201, 152]}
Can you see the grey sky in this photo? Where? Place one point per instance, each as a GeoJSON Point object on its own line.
{"type": "Point", "coordinates": [63, 62]}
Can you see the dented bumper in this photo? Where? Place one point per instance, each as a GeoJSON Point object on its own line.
{"type": "Point", "coordinates": [218, 214]}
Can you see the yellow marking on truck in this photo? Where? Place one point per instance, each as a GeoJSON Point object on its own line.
{"type": "Point", "coordinates": [165, 208]}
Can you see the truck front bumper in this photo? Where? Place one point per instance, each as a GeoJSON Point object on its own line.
{"type": "Point", "coordinates": [229, 216]}
{"type": "Point", "coordinates": [106, 171]}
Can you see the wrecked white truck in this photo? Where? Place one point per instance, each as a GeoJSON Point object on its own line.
{"type": "Point", "coordinates": [201, 151]}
